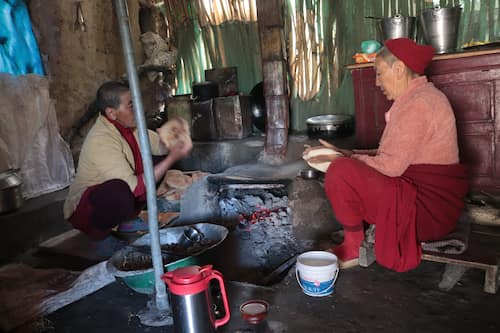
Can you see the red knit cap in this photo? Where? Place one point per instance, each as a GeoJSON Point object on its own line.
{"type": "Point", "coordinates": [416, 57]}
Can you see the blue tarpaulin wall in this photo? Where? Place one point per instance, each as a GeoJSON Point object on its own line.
{"type": "Point", "coordinates": [19, 52]}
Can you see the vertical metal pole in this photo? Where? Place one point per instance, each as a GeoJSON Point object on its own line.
{"type": "Point", "coordinates": [128, 51]}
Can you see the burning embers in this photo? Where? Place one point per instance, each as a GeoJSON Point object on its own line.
{"type": "Point", "coordinates": [255, 203]}
{"type": "Point", "coordinates": [277, 216]}
{"type": "Point", "coordinates": [259, 220]}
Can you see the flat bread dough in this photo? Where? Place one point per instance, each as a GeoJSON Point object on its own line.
{"type": "Point", "coordinates": [175, 194]}
{"type": "Point", "coordinates": [174, 132]}
{"type": "Point", "coordinates": [197, 175]}
{"type": "Point", "coordinates": [173, 173]}
{"type": "Point", "coordinates": [178, 181]}
{"type": "Point", "coordinates": [323, 166]}
{"type": "Point", "coordinates": [162, 189]}
{"type": "Point", "coordinates": [163, 217]}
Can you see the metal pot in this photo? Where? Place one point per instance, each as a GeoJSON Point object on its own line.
{"type": "Point", "coordinates": [398, 26]}
{"type": "Point", "coordinates": [10, 191]}
{"type": "Point", "coordinates": [259, 106]}
{"type": "Point", "coordinates": [330, 126]}
{"type": "Point", "coordinates": [309, 174]}
{"type": "Point", "coordinates": [440, 27]}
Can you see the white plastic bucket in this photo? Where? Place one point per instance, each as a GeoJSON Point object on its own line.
{"type": "Point", "coordinates": [316, 272]}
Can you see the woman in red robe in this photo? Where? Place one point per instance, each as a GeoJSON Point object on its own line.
{"type": "Point", "coordinates": [413, 186]}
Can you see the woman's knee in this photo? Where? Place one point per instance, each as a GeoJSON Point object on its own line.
{"type": "Point", "coordinates": [338, 171]}
{"type": "Point", "coordinates": [113, 194]}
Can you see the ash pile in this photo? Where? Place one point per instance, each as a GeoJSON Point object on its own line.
{"type": "Point", "coordinates": [259, 218]}
{"type": "Point", "coordinates": [263, 238]}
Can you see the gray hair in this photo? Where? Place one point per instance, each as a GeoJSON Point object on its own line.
{"type": "Point", "coordinates": [390, 59]}
{"type": "Point", "coordinates": [108, 95]}
{"type": "Point", "coordinates": [387, 55]}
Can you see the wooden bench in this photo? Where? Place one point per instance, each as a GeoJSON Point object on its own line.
{"type": "Point", "coordinates": [483, 253]}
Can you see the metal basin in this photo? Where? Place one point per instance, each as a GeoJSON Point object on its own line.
{"type": "Point", "coordinates": [330, 126]}
{"type": "Point", "coordinates": [10, 191]}
{"type": "Point", "coordinates": [134, 265]}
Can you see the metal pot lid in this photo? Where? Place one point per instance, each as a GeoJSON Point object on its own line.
{"type": "Point", "coordinates": [204, 83]}
{"type": "Point", "coordinates": [328, 119]}
{"type": "Point", "coordinates": [9, 179]}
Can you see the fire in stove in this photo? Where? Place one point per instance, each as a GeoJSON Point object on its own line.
{"type": "Point", "coordinates": [259, 220]}
{"type": "Point", "coordinates": [263, 239]}
{"type": "Point", "coordinates": [256, 203]}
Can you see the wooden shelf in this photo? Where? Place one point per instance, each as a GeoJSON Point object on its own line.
{"type": "Point", "coordinates": [457, 55]}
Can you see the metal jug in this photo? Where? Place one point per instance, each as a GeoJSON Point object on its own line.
{"type": "Point", "coordinates": [191, 300]}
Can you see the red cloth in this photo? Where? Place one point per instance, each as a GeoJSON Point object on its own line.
{"type": "Point", "coordinates": [128, 135]}
{"type": "Point", "coordinates": [102, 207]}
{"type": "Point", "coordinates": [416, 57]}
{"type": "Point", "coordinates": [423, 204]}
{"type": "Point", "coordinates": [81, 219]}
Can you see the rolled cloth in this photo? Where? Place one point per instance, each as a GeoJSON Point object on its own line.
{"type": "Point", "coordinates": [455, 242]}
{"type": "Point", "coordinates": [417, 57]}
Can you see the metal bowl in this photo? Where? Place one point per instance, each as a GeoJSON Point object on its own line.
{"type": "Point", "coordinates": [254, 311]}
{"type": "Point", "coordinates": [330, 126]}
{"type": "Point", "coordinates": [309, 174]}
{"type": "Point", "coordinates": [135, 267]}
{"type": "Point", "coordinates": [10, 191]}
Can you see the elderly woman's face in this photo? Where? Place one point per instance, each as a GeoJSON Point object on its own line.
{"type": "Point", "coordinates": [386, 79]}
{"type": "Point", "coordinates": [124, 114]}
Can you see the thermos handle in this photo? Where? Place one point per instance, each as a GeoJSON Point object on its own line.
{"type": "Point", "coordinates": [216, 275]}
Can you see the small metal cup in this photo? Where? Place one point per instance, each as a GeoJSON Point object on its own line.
{"type": "Point", "coordinates": [309, 174]}
{"type": "Point", "coordinates": [189, 237]}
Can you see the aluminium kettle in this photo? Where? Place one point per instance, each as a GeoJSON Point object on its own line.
{"type": "Point", "coordinates": [191, 299]}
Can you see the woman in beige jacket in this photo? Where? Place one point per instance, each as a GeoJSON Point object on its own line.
{"type": "Point", "coordinates": [109, 185]}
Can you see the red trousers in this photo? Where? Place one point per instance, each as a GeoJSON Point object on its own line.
{"type": "Point", "coordinates": [421, 205]}
{"type": "Point", "coordinates": [104, 206]}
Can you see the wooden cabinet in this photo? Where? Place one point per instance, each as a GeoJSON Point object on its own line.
{"type": "Point", "coordinates": [471, 81]}
{"type": "Point", "coordinates": [370, 106]}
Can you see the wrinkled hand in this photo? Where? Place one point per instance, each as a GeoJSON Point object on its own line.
{"type": "Point", "coordinates": [323, 145]}
{"type": "Point", "coordinates": [180, 150]}
{"type": "Point", "coordinates": [345, 152]}
{"type": "Point", "coordinates": [323, 158]}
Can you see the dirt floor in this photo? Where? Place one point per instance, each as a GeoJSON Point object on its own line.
{"type": "Point", "coordinates": [365, 300]}
{"type": "Point", "coordinates": [372, 299]}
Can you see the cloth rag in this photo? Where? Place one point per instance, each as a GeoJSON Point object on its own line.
{"type": "Point", "coordinates": [455, 242]}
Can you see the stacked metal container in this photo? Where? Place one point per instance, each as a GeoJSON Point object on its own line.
{"type": "Point", "coordinates": [274, 72]}
{"type": "Point", "coordinates": [226, 115]}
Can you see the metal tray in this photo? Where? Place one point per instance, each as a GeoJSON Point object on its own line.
{"type": "Point", "coordinates": [213, 233]}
